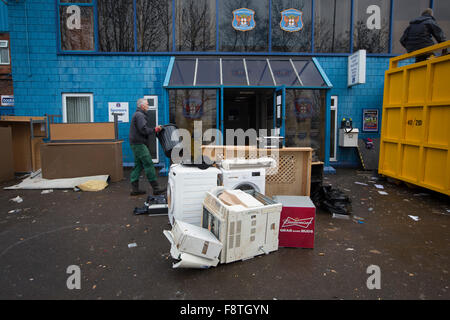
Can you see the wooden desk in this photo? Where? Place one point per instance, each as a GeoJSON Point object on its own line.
{"type": "Point", "coordinates": [292, 176]}
{"type": "Point", "coordinates": [27, 136]}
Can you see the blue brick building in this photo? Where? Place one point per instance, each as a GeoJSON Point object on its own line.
{"type": "Point", "coordinates": [56, 58]}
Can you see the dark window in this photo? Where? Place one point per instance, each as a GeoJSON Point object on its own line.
{"type": "Point", "coordinates": [308, 74]}
{"type": "Point", "coordinates": [115, 25]}
{"type": "Point", "coordinates": [284, 73]}
{"type": "Point", "coordinates": [332, 25]}
{"type": "Point", "coordinates": [208, 72]}
{"type": "Point", "coordinates": [195, 25]}
{"type": "Point", "coordinates": [188, 106]}
{"type": "Point", "coordinates": [234, 72]}
{"type": "Point", "coordinates": [77, 27]}
{"type": "Point", "coordinates": [371, 25]}
{"type": "Point", "coordinates": [404, 12]}
{"type": "Point", "coordinates": [441, 11]}
{"type": "Point", "coordinates": [183, 72]}
{"type": "Point", "coordinates": [154, 25]}
{"type": "Point", "coordinates": [232, 38]}
{"type": "Point", "coordinates": [291, 41]}
{"type": "Point", "coordinates": [259, 73]}
{"type": "Point", "coordinates": [305, 118]}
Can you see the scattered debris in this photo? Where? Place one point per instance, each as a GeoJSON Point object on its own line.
{"type": "Point", "coordinates": [382, 193]}
{"type": "Point", "coordinates": [378, 186]}
{"type": "Point", "coordinates": [332, 200]}
{"type": "Point", "coordinates": [132, 245]}
{"type": "Point", "coordinates": [47, 191]}
{"type": "Point", "coordinates": [340, 216]}
{"type": "Point", "coordinates": [361, 183]}
{"type": "Point", "coordinates": [93, 185]}
{"type": "Point", "coordinates": [422, 194]}
{"type": "Point", "coordinates": [357, 219]}
{"type": "Point", "coordinates": [15, 211]}
{"type": "Point", "coordinates": [415, 218]}
{"type": "Point", "coordinates": [375, 251]}
{"type": "Point", "coordinates": [349, 249]}
{"type": "Point", "coordinates": [17, 199]}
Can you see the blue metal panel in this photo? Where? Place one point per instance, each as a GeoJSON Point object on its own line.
{"type": "Point", "coordinates": [169, 71]}
{"type": "Point", "coordinates": [322, 73]}
{"type": "Point", "coordinates": [3, 17]}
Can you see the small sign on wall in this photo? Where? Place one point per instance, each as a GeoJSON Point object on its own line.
{"type": "Point", "coordinates": [370, 120]}
{"type": "Point", "coordinates": [7, 101]}
{"type": "Point", "coordinates": [357, 68]}
{"type": "Point", "coordinates": [118, 107]}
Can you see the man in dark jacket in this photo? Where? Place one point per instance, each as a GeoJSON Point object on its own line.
{"type": "Point", "coordinates": [420, 32]}
{"type": "Point", "coordinates": [139, 133]}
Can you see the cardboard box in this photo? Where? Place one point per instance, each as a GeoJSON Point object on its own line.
{"type": "Point", "coordinates": [196, 240]}
{"type": "Point", "coordinates": [297, 221]}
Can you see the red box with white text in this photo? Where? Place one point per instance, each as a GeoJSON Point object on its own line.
{"type": "Point", "coordinates": [297, 221]}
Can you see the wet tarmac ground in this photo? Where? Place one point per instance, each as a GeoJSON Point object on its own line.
{"type": "Point", "coordinates": [93, 230]}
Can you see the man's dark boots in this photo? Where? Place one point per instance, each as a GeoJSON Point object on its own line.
{"type": "Point", "coordinates": [157, 190]}
{"type": "Point", "coordinates": [135, 189]}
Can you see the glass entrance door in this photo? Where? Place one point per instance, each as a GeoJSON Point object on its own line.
{"type": "Point", "coordinates": [279, 111]}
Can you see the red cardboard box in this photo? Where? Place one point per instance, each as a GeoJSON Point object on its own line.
{"type": "Point", "coordinates": [296, 222]}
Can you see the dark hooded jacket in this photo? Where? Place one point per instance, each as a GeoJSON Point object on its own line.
{"type": "Point", "coordinates": [419, 33]}
{"type": "Point", "coordinates": [139, 129]}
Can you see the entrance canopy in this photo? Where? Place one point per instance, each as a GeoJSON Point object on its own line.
{"type": "Point", "coordinates": [246, 72]}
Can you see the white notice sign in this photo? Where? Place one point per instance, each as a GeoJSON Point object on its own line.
{"type": "Point", "coordinates": [7, 101]}
{"type": "Point", "coordinates": [118, 107]}
{"type": "Point", "coordinates": [357, 68]}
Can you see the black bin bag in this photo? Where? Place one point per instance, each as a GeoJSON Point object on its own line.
{"type": "Point", "coordinates": [168, 138]}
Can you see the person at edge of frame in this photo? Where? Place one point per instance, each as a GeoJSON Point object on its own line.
{"type": "Point", "coordinates": [420, 32]}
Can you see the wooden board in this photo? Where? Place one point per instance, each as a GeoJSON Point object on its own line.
{"type": "Point", "coordinates": [6, 156]}
{"type": "Point", "coordinates": [72, 160]}
{"type": "Point", "coordinates": [22, 118]}
{"type": "Point", "coordinates": [292, 175]}
{"type": "Point", "coordinates": [26, 150]}
{"type": "Point", "coordinates": [82, 131]}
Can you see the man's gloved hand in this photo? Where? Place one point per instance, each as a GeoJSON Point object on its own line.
{"type": "Point", "coordinates": [158, 129]}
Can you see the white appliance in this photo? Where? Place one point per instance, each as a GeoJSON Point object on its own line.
{"type": "Point", "coordinates": [186, 189]}
{"type": "Point", "coordinates": [244, 232]}
{"type": "Point", "coordinates": [348, 138]}
{"type": "Point", "coordinates": [194, 246]}
{"type": "Point", "coordinates": [244, 179]}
